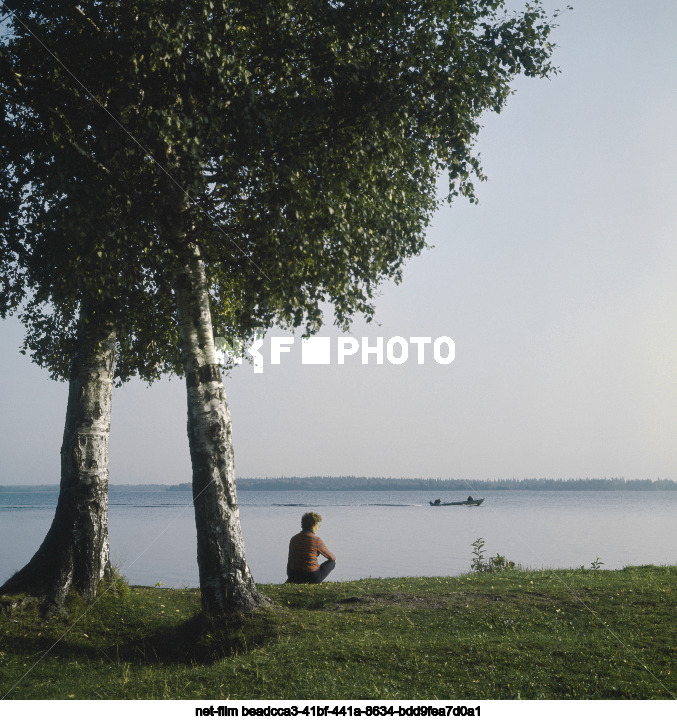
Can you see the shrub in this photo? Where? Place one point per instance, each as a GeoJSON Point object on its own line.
{"type": "Point", "coordinates": [491, 565]}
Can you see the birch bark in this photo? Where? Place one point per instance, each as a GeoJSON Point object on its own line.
{"type": "Point", "coordinates": [226, 583]}
{"type": "Point", "coordinates": [75, 551]}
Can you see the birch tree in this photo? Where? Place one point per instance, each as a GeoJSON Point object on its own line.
{"type": "Point", "coordinates": [275, 157]}
{"type": "Point", "coordinates": [61, 267]}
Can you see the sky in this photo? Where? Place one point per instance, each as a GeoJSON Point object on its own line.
{"type": "Point", "coordinates": [558, 291]}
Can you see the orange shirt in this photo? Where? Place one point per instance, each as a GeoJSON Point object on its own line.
{"type": "Point", "coordinates": [304, 548]}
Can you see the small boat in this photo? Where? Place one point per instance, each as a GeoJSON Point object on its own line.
{"type": "Point", "coordinates": [470, 501]}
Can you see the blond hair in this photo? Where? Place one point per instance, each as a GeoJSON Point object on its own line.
{"type": "Point", "coordinates": [310, 520]}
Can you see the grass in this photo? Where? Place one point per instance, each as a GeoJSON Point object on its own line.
{"type": "Point", "coordinates": [571, 634]}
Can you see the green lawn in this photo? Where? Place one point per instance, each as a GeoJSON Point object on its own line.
{"type": "Point", "coordinates": [570, 634]}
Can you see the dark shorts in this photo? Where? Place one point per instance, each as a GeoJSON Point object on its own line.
{"type": "Point", "coordinates": [311, 576]}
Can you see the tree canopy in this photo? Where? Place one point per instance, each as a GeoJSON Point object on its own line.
{"type": "Point", "coordinates": [172, 168]}
{"type": "Point", "coordinates": [302, 139]}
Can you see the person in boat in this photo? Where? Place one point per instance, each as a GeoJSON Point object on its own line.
{"type": "Point", "coordinates": [470, 499]}
{"type": "Point", "coordinates": [438, 501]}
{"type": "Point", "coordinates": [304, 550]}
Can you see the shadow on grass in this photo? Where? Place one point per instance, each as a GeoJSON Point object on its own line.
{"type": "Point", "coordinates": [201, 640]}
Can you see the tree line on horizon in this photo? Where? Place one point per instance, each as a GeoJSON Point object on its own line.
{"type": "Point", "coordinates": [369, 483]}
{"type": "Point", "coordinates": [527, 484]}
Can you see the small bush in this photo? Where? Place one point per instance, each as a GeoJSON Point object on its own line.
{"type": "Point", "coordinates": [491, 565]}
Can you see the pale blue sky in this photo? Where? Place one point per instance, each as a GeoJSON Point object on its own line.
{"type": "Point", "coordinates": [558, 290]}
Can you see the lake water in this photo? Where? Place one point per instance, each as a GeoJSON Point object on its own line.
{"type": "Point", "coordinates": [372, 533]}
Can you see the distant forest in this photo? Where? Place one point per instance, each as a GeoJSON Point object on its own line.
{"type": "Point", "coordinates": [357, 483]}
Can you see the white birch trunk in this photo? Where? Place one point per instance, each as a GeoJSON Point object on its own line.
{"type": "Point", "coordinates": [226, 583]}
{"type": "Point", "coordinates": [75, 551]}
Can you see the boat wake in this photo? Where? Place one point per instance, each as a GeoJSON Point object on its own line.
{"type": "Point", "coordinates": [345, 505]}
{"type": "Point", "coordinates": [394, 505]}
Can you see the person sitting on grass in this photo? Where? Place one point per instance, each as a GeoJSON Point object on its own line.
{"type": "Point", "coordinates": [304, 549]}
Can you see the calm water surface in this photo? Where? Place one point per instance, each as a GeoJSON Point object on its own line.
{"type": "Point", "coordinates": [372, 533]}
